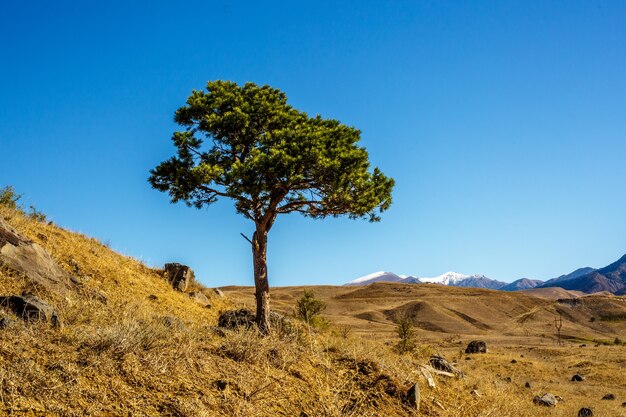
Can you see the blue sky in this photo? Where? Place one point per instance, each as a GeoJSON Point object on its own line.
{"type": "Point", "coordinates": [503, 124]}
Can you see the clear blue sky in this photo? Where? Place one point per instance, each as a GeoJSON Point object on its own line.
{"type": "Point", "coordinates": [503, 123]}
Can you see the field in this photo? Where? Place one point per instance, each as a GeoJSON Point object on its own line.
{"type": "Point", "coordinates": [130, 345]}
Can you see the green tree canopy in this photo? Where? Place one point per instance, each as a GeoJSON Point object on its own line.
{"type": "Point", "coordinates": [247, 144]}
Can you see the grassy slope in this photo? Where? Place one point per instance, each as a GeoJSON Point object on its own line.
{"type": "Point", "coordinates": [120, 358]}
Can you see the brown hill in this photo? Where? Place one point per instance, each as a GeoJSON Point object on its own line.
{"type": "Point", "coordinates": [436, 309]}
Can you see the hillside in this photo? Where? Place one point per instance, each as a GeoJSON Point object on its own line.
{"type": "Point", "coordinates": [126, 343]}
{"type": "Point", "coordinates": [437, 309]}
{"type": "Point", "coordinates": [131, 345]}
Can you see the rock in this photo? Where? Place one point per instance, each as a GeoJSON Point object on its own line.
{"type": "Point", "coordinates": [234, 319]}
{"type": "Point", "coordinates": [179, 276]}
{"type": "Point", "coordinates": [585, 412]}
{"type": "Point", "coordinates": [578, 378]}
{"type": "Point", "coordinates": [28, 258]}
{"type": "Point", "coordinates": [609, 397]}
{"type": "Point", "coordinates": [413, 396]}
{"type": "Point", "coordinates": [243, 317]}
{"type": "Point", "coordinates": [442, 364]}
{"type": "Point", "coordinates": [527, 385]}
{"type": "Point", "coordinates": [31, 308]}
{"type": "Point", "coordinates": [476, 346]}
{"type": "Point", "coordinates": [624, 404]}
{"type": "Point", "coordinates": [467, 358]}
{"type": "Point", "coordinates": [546, 400]}
{"type": "Point", "coordinates": [513, 361]}
{"type": "Point", "coordinates": [475, 393]}
{"type": "Point", "coordinates": [219, 292]}
{"type": "Point", "coordinates": [221, 385]}
{"type": "Point", "coordinates": [7, 323]}
{"type": "Point", "coordinates": [508, 379]}
{"type": "Point", "coordinates": [200, 298]}
{"type": "Point", "coordinates": [100, 296]}
{"type": "Point", "coordinates": [152, 297]}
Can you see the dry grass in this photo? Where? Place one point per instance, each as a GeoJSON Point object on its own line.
{"type": "Point", "coordinates": [130, 345]}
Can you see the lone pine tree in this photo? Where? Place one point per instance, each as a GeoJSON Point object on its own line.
{"type": "Point", "coordinates": [247, 144]}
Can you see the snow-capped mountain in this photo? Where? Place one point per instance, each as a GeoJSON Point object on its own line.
{"type": "Point", "coordinates": [383, 276]}
{"type": "Point", "coordinates": [449, 278]}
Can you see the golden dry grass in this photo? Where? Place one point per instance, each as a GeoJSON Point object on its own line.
{"type": "Point", "coordinates": [151, 351]}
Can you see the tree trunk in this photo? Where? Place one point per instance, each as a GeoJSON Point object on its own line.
{"type": "Point", "coordinates": [261, 284]}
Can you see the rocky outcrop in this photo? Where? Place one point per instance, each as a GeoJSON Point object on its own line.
{"type": "Point", "coordinates": [200, 298]}
{"type": "Point", "coordinates": [26, 257]}
{"type": "Point", "coordinates": [413, 397]}
{"type": "Point", "coordinates": [546, 400]}
{"type": "Point", "coordinates": [179, 276]}
{"type": "Point", "coordinates": [476, 346]}
{"type": "Point", "coordinates": [440, 363]}
{"type": "Point", "coordinates": [234, 319]}
{"type": "Point", "coordinates": [31, 309]}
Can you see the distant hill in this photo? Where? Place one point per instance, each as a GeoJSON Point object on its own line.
{"type": "Point", "coordinates": [521, 284]}
{"type": "Point", "coordinates": [575, 274]}
{"type": "Point", "coordinates": [611, 278]}
{"type": "Point", "coordinates": [383, 276]}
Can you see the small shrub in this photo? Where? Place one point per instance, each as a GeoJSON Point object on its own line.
{"type": "Point", "coordinates": [37, 215]}
{"type": "Point", "coordinates": [9, 198]}
{"type": "Point", "coordinates": [309, 310]}
{"type": "Point", "coordinates": [618, 341]}
{"type": "Point", "coordinates": [406, 333]}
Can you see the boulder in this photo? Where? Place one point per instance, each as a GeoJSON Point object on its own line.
{"type": "Point", "coordinates": [585, 412]}
{"type": "Point", "coordinates": [31, 308]}
{"type": "Point", "coordinates": [527, 385]}
{"type": "Point", "coordinates": [219, 292]}
{"type": "Point", "coordinates": [234, 319]}
{"type": "Point", "coordinates": [476, 346]}
{"type": "Point", "coordinates": [28, 258]}
{"type": "Point", "coordinates": [578, 378]}
{"type": "Point", "coordinates": [200, 298]}
{"type": "Point", "coordinates": [413, 396]}
{"type": "Point", "coordinates": [442, 364]}
{"type": "Point", "coordinates": [546, 400]}
{"type": "Point", "coordinates": [179, 276]}
{"type": "Point", "coordinates": [609, 397]}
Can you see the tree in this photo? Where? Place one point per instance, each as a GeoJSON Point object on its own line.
{"type": "Point", "coordinates": [247, 144]}
{"type": "Point", "coordinates": [309, 308]}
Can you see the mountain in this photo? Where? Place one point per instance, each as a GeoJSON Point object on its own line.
{"type": "Point", "coordinates": [383, 276]}
{"type": "Point", "coordinates": [611, 278]}
{"type": "Point", "coordinates": [521, 284]}
{"type": "Point", "coordinates": [576, 274]}
{"type": "Point", "coordinates": [449, 278]}
{"type": "Point", "coordinates": [456, 279]}
{"type": "Point", "coordinates": [453, 279]}
{"type": "Point", "coordinates": [479, 281]}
